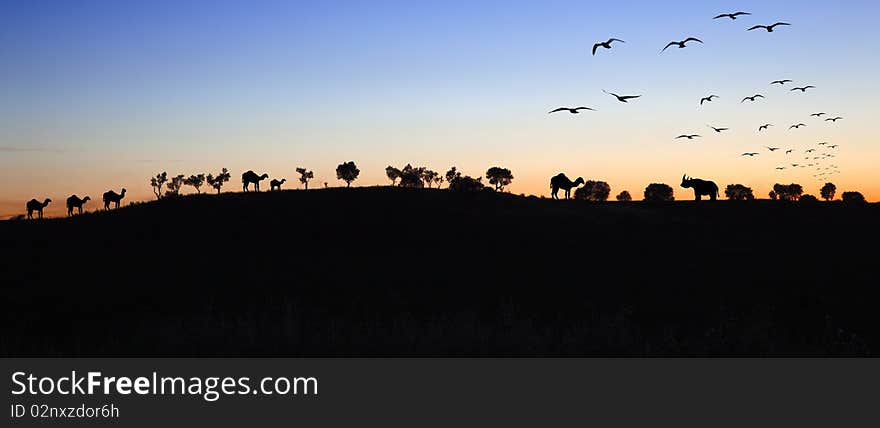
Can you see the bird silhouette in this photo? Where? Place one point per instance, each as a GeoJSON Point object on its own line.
{"type": "Point", "coordinates": [833, 119]}
{"type": "Point", "coordinates": [732, 16]}
{"type": "Point", "coordinates": [769, 28]}
{"type": "Point", "coordinates": [606, 44]}
{"type": "Point", "coordinates": [781, 82]}
{"type": "Point", "coordinates": [719, 130]}
{"type": "Point", "coordinates": [772, 149]}
{"type": "Point", "coordinates": [765, 126]}
{"type": "Point", "coordinates": [681, 44]}
{"type": "Point", "coordinates": [709, 98]}
{"type": "Point", "coordinates": [780, 168]}
{"type": "Point", "coordinates": [749, 154]}
{"type": "Point", "coordinates": [689, 137]}
{"type": "Point", "coordinates": [817, 114]}
{"type": "Point", "coordinates": [810, 151]}
{"type": "Point", "coordinates": [571, 110]}
{"type": "Point", "coordinates": [752, 98]}
{"type": "Point", "coordinates": [789, 151]}
{"type": "Point", "coordinates": [795, 165]}
{"type": "Point", "coordinates": [802, 88]}
{"type": "Point", "coordinates": [823, 143]}
{"type": "Point", "coordinates": [621, 98]}
{"type": "Point", "coordinates": [834, 146]}
{"type": "Point", "coordinates": [796, 126]}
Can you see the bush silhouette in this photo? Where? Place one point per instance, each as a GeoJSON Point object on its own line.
{"type": "Point", "coordinates": [772, 195]}
{"type": "Point", "coordinates": [347, 172]}
{"type": "Point", "coordinates": [594, 191]}
{"type": "Point", "coordinates": [658, 192]}
{"type": "Point", "coordinates": [218, 181]}
{"type": "Point", "coordinates": [788, 192]}
{"type": "Point", "coordinates": [431, 177]}
{"type": "Point", "coordinates": [174, 185]}
{"type": "Point", "coordinates": [305, 176]}
{"type": "Point", "coordinates": [499, 177]}
{"type": "Point", "coordinates": [854, 198]}
{"type": "Point", "coordinates": [808, 198]}
{"type": "Point", "coordinates": [412, 177]}
{"type": "Point", "coordinates": [739, 192]}
{"type": "Point", "coordinates": [624, 196]}
{"type": "Point", "coordinates": [158, 182]}
{"type": "Point", "coordinates": [827, 191]}
{"type": "Point", "coordinates": [393, 174]}
{"type": "Point", "coordinates": [466, 184]}
{"type": "Point", "coordinates": [195, 181]}
{"type": "Point", "coordinates": [451, 175]}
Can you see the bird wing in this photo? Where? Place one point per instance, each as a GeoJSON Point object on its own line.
{"type": "Point", "coordinates": [667, 46]}
{"type": "Point", "coordinates": [692, 39]}
{"type": "Point", "coordinates": [741, 13]}
{"type": "Point", "coordinates": [559, 109]}
{"type": "Point", "coordinates": [756, 27]}
{"type": "Point", "coordinates": [723, 15]}
{"type": "Point", "coordinates": [584, 108]}
{"type": "Point", "coordinates": [746, 98]}
{"type": "Point", "coordinates": [703, 99]}
{"type": "Point", "coordinates": [596, 46]}
{"type": "Point", "coordinates": [809, 87]}
{"type": "Point", "coordinates": [615, 40]}
{"type": "Point", "coordinates": [780, 23]}
{"type": "Point", "coordinates": [758, 95]}
{"type": "Point", "coordinates": [629, 97]}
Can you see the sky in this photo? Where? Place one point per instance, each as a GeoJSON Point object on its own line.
{"type": "Point", "coordinates": [99, 95]}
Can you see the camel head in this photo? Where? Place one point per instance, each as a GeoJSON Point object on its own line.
{"type": "Point", "coordinates": [283, 180]}
{"type": "Point", "coordinates": [123, 191]}
{"type": "Point", "coordinates": [86, 199]}
{"type": "Point", "coordinates": [264, 176]}
{"type": "Point", "coordinates": [579, 181]}
{"type": "Point", "coordinates": [46, 202]}
{"type": "Point", "coordinates": [685, 181]}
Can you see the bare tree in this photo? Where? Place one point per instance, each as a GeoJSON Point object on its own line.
{"type": "Point", "coordinates": [158, 182]}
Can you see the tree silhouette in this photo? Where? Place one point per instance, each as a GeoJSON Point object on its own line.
{"type": "Point", "coordinates": [623, 196]}
{"type": "Point", "coordinates": [788, 192]}
{"type": "Point", "coordinates": [347, 172]}
{"type": "Point", "coordinates": [195, 181]}
{"type": "Point", "coordinates": [157, 182]}
{"type": "Point", "coordinates": [738, 192]}
{"type": "Point", "coordinates": [658, 192]}
{"type": "Point", "coordinates": [439, 180]}
{"type": "Point", "coordinates": [431, 177]}
{"type": "Point", "coordinates": [855, 198]}
{"type": "Point", "coordinates": [595, 191]}
{"type": "Point", "coordinates": [827, 191]}
{"type": "Point", "coordinates": [499, 177]}
{"type": "Point", "coordinates": [451, 175]}
{"type": "Point", "coordinates": [392, 173]}
{"type": "Point", "coordinates": [217, 182]}
{"type": "Point", "coordinates": [466, 183]}
{"type": "Point", "coordinates": [412, 177]}
{"type": "Point", "coordinates": [808, 198]}
{"type": "Point", "coordinates": [174, 185]}
{"type": "Point", "coordinates": [305, 176]}
{"type": "Point", "coordinates": [772, 195]}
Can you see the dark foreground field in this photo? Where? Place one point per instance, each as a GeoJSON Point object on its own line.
{"type": "Point", "coordinates": [386, 271]}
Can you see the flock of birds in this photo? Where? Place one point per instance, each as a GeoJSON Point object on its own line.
{"type": "Point", "coordinates": [822, 171]}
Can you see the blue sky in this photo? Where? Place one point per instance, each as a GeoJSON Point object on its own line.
{"type": "Point", "coordinates": [109, 91]}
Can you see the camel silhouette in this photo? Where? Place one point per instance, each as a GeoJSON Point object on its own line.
{"type": "Point", "coordinates": [701, 187]}
{"type": "Point", "coordinates": [75, 202]}
{"type": "Point", "coordinates": [35, 205]}
{"type": "Point", "coordinates": [560, 181]}
{"type": "Point", "coordinates": [251, 177]}
{"type": "Point", "coordinates": [111, 196]}
{"type": "Point", "coordinates": [275, 184]}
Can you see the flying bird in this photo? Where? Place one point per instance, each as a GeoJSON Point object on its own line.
{"type": "Point", "coordinates": [719, 130]}
{"type": "Point", "coordinates": [575, 110]}
{"type": "Point", "coordinates": [810, 151]}
{"type": "Point", "coordinates": [689, 137]}
{"type": "Point", "coordinates": [789, 151]}
{"type": "Point", "coordinates": [817, 114]}
{"type": "Point", "coordinates": [781, 82]}
{"type": "Point", "coordinates": [834, 146]}
{"type": "Point", "coordinates": [732, 16]}
{"type": "Point", "coordinates": [802, 88]}
{"type": "Point", "coordinates": [752, 98]}
{"type": "Point", "coordinates": [823, 143]}
{"type": "Point", "coordinates": [795, 165]}
{"type": "Point", "coordinates": [605, 44]}
{"type": "Point", "coordinates": [796, 126]}
{"type": "Point", "coordinates": [750, 154]}
{"type": "Point", "coordinates": [681, 44]}
{"type": "Point", "coordinates": [772, 149]}
{"type": "Point", "coordinates": [780, 168]}
{"type": "Point", "coordinates": [833, 119]}
{"type": "Point", "coordinates": [709, 98]}
{"type": "Point", "coordinates": [765, 126]}
{"type": "Point", "coordinates": [621, 98]}
{"type": "Point", "coordinates": [769, 28]}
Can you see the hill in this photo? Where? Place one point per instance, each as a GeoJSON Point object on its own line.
{"type": "Point", "coordinates": [390, 271]}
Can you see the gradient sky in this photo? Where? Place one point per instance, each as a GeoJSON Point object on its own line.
{"type": "Point", "coordinates": [105, 94]}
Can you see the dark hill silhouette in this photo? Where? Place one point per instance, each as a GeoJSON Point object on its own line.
{"type": "Point", "coordinates": [394, 271]}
